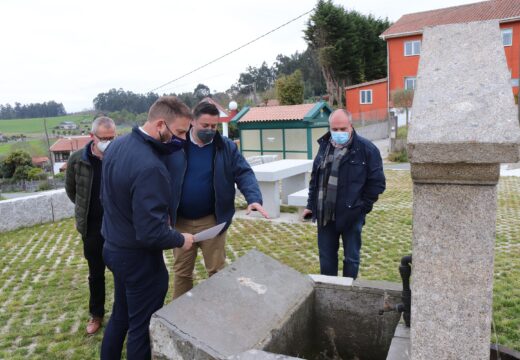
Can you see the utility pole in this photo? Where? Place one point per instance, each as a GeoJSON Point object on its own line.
{"type": "Point", "coordinates": [49, 147]}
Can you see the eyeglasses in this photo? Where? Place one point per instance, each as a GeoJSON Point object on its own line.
{"type": "Point", "coordinates": [108, 138]}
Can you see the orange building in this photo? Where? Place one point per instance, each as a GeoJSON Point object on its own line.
{"type": "Point", "coordinates": [367, 100]}
{"type": "Point", "coordinates": [403, 38]}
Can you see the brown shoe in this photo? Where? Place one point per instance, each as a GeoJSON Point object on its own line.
{"type": "Point", "coordinates": [94, 324]}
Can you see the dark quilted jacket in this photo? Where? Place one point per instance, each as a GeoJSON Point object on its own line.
{"type": "Point", "coordinates": [78, 184]}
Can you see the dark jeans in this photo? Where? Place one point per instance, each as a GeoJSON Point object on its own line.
{"type": "Point", "coordinates": [93, 251]}
{"type": "Point", "coordinates": [328, 245]}
{"type": "Point", "coordinates": [140, 286]}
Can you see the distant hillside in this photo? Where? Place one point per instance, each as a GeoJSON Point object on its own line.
{"type": "Point", "coordinates": [35, 126]}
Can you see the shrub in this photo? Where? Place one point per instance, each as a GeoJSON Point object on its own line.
{"type": "Point", "coordinates": [398, 156]}
{"type": "Point", "coordinates": [44, 186]}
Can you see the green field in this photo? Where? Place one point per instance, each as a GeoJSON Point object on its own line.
{"type": "Point", "coordinates": [35, 147]}
{"type": "Point", "coordinates": [35, 126]}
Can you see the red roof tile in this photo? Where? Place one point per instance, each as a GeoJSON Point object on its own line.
{"type": "Point", "coordinates": [366, 83]}
{"type": "Point", "coordinates": [504, 10]}
{"type": "Point", "coordinates": [38, 160]}
{"type": "Point", "coordinates": [72, 143]}
{"type": "Point", "coordinates": [276, 113]}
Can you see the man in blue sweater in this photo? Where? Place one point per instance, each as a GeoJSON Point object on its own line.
{"type": "Point", "coordinates": [204, 192]}
{"type": "Point", "coordinates": [136, 196]}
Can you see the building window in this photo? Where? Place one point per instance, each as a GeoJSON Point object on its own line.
{"type": "Point", "coordinates": [412, 48]}
{"type": "Point", "coordinates": [365, 97]}
{"type": "Point", "coordinates": [409, 83]}
{"type": "Point", "coordinates": [507, 37]}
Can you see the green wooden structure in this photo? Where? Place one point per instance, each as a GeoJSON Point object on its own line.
{"type": "Point", "coordinates": [289, 131]}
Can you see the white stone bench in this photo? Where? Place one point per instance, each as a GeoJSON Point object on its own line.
{"type": "Point", "coordinates": [299, 199]}
{"type": "Point", "coordinates": [261, 159]}
{"type": "Point", "coordinates": [292, 174]}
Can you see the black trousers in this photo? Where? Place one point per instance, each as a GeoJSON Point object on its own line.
{"type": "Point", "coordinates": [140, 285]}
{"type": "Point", "coordinates": [93, 251]}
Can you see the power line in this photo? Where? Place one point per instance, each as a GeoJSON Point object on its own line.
{"type": "Point", "coordinates": [232, 51]}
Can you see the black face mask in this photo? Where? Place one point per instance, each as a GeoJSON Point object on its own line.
{"type": "Point", "coordinates": [174, 144]}
{"type": "Point", "coordinates": [206, 135]}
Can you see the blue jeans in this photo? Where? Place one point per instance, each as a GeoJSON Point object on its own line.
{"type": "Point", "coordinates": [328, 245]}
{"type": "Point", "coordinates": [140, 286]}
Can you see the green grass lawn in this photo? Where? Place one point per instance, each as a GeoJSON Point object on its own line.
{"type": "Point", "coordinates": [35, 147]}
{"type": "Point", "coordinates": [43, 275]}
{"type": "Point", "coordinates": [35, 126]}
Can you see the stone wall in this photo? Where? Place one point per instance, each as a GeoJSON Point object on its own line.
{"type": "Point", "coordinates": [374, 131]}
{"type": "Point", "coordinates": [47, 206]}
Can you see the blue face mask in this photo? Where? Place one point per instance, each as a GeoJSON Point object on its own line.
{"type": "Point", "coordinates": [175, 144]}
{"type": "Point", "coordinates": [340, 137]}
{"type": "Point", "coordinates": [172, 145]}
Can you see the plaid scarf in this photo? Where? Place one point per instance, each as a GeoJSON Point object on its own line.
{"type": "Point", "coordinates": [328, 182]}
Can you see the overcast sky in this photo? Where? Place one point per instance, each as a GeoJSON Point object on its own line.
{"type": "Point", "coordinates": [69, 51]}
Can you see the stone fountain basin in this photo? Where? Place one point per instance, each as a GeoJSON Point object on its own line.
{"type": "Point", "coordinates": [258, 308]}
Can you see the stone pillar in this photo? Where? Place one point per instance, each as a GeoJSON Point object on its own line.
{"type": "Point", "coordinates": [464, 125]}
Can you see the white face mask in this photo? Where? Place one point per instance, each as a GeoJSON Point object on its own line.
{"type": "Point", "coordinates": [102, 145]}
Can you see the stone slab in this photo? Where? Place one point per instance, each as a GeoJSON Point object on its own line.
{"type": "Point", "coordinates": [483, 174]}
{"type": "Point", "coordinates": [248, 305]}
{"type": "Point", "coordinates": [331, 280]}
{"type": "Point", "coordinates": [298, 198]}
{"type": "Point", "coordinates": [36, 209]}
{"type": "Point", "coordinates": [281, 169]}
{"type": "Point", "coordinates": [452, 275]}
{"type": "Point", "coordinates": [260, 355]}
{"type": "Point", "coordinates": [463, 109]}
{"type": "Point", "coordinates": [400, 347]}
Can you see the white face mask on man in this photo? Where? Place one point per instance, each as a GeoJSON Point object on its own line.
{"type": "Point", "coordinates": [102, 145]}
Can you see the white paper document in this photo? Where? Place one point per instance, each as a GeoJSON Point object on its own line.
{"type": "Point", "coordinates": [209, 233]}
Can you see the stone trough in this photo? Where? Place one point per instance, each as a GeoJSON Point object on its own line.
{"type": "Point", "coordinates": [258, 308]}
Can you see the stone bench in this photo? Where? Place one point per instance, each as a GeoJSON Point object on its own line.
{"type": "Point", "coordinates": [299, 199]}
{"type": "Point", "coordinates": [292, 174]}
{"type": "Point", "coordinates": [261, 159]}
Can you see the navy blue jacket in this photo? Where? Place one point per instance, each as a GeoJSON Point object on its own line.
{"type": "Point", "coordinates": [136, 195]}
{"type": "Point", "coordinates": [229, 167]}
{"type": "Point", "coordinates": [361, 180]}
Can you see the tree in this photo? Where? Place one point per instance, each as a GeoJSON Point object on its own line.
{"type": "Point", "coordinates": [403, 99]}
{"type": "Point", "coordinates": [188, 98]}
{"type": "Point", "coordinates": [14, 160]}
{"type": "Point", "coordinates": [255, 80]}
{"type": "Point", "coordinates": [289, 89]}
{"type": "Point", "coordinates": [201, 91]}
{"type": "Point", "coordinates": [307, 62]}
{"type": "Point", "coordinates": [33, 110]}
{"type": "Point", "coordinates": [119, 99]}
{"type": "Point", "coordinates": [347, 45]}
{"type": "Point", "coordinates": [35, 173]}
{"type": "Point", "coordinates": [22, 172]}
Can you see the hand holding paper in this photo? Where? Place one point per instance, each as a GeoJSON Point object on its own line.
{"type": "Point", "coordinates": [209, 233]}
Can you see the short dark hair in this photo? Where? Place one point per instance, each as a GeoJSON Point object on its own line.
{"type": "Point", "coordinates": [168, 108]}
{"type": "Point", "coordinates": [205, 107]}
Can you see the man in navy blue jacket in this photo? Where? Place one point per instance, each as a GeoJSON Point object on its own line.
{"type": "Point", "coordinates": [136, 195]}
{"type": "Point", "coordinates": [347, 179]}
{"type": "Point", "coordinates": [204, 192]}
